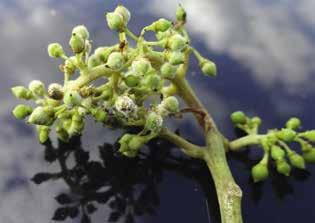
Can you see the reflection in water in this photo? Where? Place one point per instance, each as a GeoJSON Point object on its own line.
{"type": "Point", "coordinates": [127, 186]}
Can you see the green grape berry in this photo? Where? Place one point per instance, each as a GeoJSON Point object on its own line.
{"type": "Point", "coordinates": [77, 43]}
{"type": "Point", "coordinates": [115, 21]}
{"type": "Point", "coordinates": [293, 123]}
{"type": "Point", "coordinates": [256, 121]}
{"type": "Point", "coordinates": [72, 98]}
{"type": "Point", "coordinates": [309, 135]}
{"type": "Point", "coordinates": [238, 117]}
{"type": "Point", "coordinates": [132, 80]}
{"type": "Point", "coordinates": [42, 116]}
{"type": "Point", "coordinates": [287, 135]}
{"type": "Point", "coordinates": [82, 31]}
{"type": "Point", "coordinates": [69, 66]}
{"type": "Point", "coordinates": [181, 14]}
{"type": "Point", "coordinates": [283, 167]}
{"type": "Point", "coordinates": [37, 88]}
{"type": "Point", "coordinates": [176, 58]}
{"type": "Point", "coordinates": [260, 172]}
{"type": "Point", "coordinates": [103, 53]}
{"type": "Point", "coordinates": [277, 153]}
{"type": "Point", "coordinates": [55, 50]}
{"type": "Point", "coordinates": [100, 115]}
{"type": "Point", "coordinates": [136, 142]}
{"type": "Point", "coordinates": [93, 61]}
{"type": "Point", "coordinates": [124, 12]}
{"type": "Point", "coordinates": [296, 160]}
{"type": "Point", "coordinates": [141, 66]}
{"type": "Point", "coordinates": [22, 111]}
{"type": "Point", "coordinates": [154, 82]}
{"type": "Point", "coordinates": [21, 92]}
{"type": "Point", "coordinates": [208, 68]}
{"type": "Point", "coordinates": [115, 60]}
{"type": "Point", "coordinates": [160, 25]}
{"type": "Point", "coordinates": [168, 71]}
{"type": "Point", "coordinates": [43, 133]}
{"type": "Point", "coordinates": [62, 134]}
{"type": "Point", "coordinates": [309, 155]}
{"type": "Point", "coordinates": [55, 91]}
{"type": "Point", "coordinates": [170, 104]}
{"type": "Point", "coordinates": [177, 42]}
{"type": "Point", "coordinates": [154, 122]}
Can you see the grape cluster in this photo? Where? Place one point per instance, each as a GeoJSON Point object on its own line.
{"type": "Point", "coordinates": [139, 87]}
{"type": "Point", "coordinates": [276, 145]}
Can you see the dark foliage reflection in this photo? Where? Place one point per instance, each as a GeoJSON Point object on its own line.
{"type": "Point", "coordinates": [127, 186]}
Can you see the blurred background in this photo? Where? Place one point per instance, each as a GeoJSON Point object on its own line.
{"type": "Point", "coordinates": [265, 54]}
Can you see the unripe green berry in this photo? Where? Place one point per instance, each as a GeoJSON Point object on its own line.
{"type": "Point", "coordinates": [208, 68]}
{"type": "Point", "coordinates": [160, 25]}
{"type": "Point", "coordinates": [21, 92]}
{"type": "Point", "coordinates": [260, 172]}
{"type": "Point", "coordinates": [42, 116]}
{"type": "Point", "coordinates": [132, 80]}
{"type": "Point", "coordinates": [82, 31]}
{"type": "Point", "coordinates": [43, 133]}
{"type": "Point", "coordinates": [277, 153]}
{"type": "Point", "coordinates": [154, 122]}
{"type": "Point", "coordinates": [309, 135]}
{"type": "Point", "coordinates": [93, 61]}
{"type": "Point", "coordinates": [296, 160]}
{"type": "Point", "coordinates": [256, 121]}
{"type": "Point", "coordinates": [169, 90]}
{"type": "Point", "coordinates": [100, 115]}
{"type": "Point", "coordinates": [22, 111]}
{"type": "Point", "coordinates": [168, 71]}
{"type": "Point", "coordinates": [55, 50]}
{"type": "Point", "coordinates": [171, 104]}
{"type": "Point", "coordinates": [176, 58]}
{"type": "Point", "coordinates": [103, 53]}
{"type": "Point", "coordinates": [37, 88]}
{"type": "Point", "coordinates": [293, 123]}
{"type": "Point", "coordinates": [283, 167]}
{"type": "Point", "coordinates": [154, 82]}
{"type": "Point", "coordinates": [287, 135]}
{"type": "Point", "coordinates": [238, 117]}
{"type": "Point", "coordinates": [124, 12]}
{"type": "Point", "coordinates": [309, 155]}
{"type": "Point", "coordinates": [62, 134]}
{"type": "Point", "coordinates": [77, 43]}
{"type": "Point", "coordinates": [177, 42]}
{"type": "Point", "coordinates": [115, 21]}
{"type": "Point", "coordinates": [55, 91]}
{"type": "Point", "coordinates": [77, 125]}
{"type": "Point", "coordinates": [69, 66]}
{"type": "Point", "coordinates": [181, 14]}
{"type": "Point", "coordinates": [136, 142]}
{"type": "Point", "coordinates": [72, 98]}
{"type": "Point", "coordinates": [141, 66]}
{"type": "Point", "coordinates": [115, 60]}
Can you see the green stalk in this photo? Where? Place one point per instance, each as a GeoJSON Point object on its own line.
{"type": "Point", "coordinates": [228, 192]}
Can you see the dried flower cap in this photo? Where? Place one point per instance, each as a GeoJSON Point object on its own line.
{"type": "Point", "coordinates": [55, 91]}
{"type": "Point", "coordinates": [125, 105]}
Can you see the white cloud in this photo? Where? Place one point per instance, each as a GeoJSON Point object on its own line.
{"type": "Point", "coordinates": [266, 37]}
